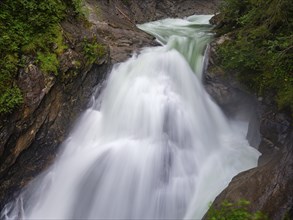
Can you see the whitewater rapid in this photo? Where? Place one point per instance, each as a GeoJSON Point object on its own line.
{"type": "Point", "coordinates": [153, 145]}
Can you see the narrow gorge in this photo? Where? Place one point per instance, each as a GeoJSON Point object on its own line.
{"type": "Point", "coordinates": [147, 126]}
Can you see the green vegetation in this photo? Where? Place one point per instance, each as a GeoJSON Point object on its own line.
{"type": "Point", "coordinates": [11, 98]}
{"type": "Point", "coordinates": [48, 62]}
{"type": "Point", "coordinates": [93, 51]}
{"type": "Point", "coordinates": [26, 27]}
{"type": "Point", "coordinates": [77, 6]}
{"type": "Point", "coordinates": [260, 48]}
{"type": "Point", "coordinates": [30, 31]}
{"type": "Point", "coordinates": [234, 211]}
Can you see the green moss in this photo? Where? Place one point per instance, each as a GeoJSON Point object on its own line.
{"type": "Point", "coordinates": [10, 99]}
{"type": "Point", "coordinates": [48, 62]}
{"type": "Point", "coordinates": [261, 46]}
{"type": "Point", "coordinates": [51, 41]}
{"type": "Point", "coordinates": [59, 45]}
{"type": "Point", "coordinates": [93, 51]}
{"type": "Point", "coordinates": [234, 211]}
{"type": "Point", "coordinates": [78, 7]}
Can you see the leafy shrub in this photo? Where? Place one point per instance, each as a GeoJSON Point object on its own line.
{"type": "Point", "coordinates": [261, 46]}
{"type": "Point", "coordinates": [234, 211]}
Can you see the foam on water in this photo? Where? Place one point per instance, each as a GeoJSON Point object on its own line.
{"type": "Point", "coordinates": [153, 145]}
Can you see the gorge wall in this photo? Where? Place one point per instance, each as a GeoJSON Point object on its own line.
{"type": "Point", "coordinates": [268, 186]}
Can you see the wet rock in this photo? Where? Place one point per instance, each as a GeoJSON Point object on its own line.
{"type": "Point", "coordinates": [118, 25]}
{"type": "Point", "coordinates": [32, 83]}
{"type": "Point", "coordinates": [31, 149]}
{"type": "Point", "coordinates": [215, 20]}
{"type": "Point", "coordinates": [269, 186]}
{"type": "Point", "coordinates": [69, 60]}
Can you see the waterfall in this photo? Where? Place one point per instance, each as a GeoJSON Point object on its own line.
{"type": "Point", "coordinates": [153, 145]}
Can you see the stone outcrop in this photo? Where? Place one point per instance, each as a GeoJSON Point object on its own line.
{"type": "Point", "coordinates": [115, 20]}
{"type": "Point", "coordinates": [269, 186]}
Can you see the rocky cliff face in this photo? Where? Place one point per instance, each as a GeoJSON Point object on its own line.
{"type": "Point", "coordinates": [269, 186]}
{"type": "Point", "coordinates": [116, 20]}
{"type": "Point", "coordinates": [30, 137]}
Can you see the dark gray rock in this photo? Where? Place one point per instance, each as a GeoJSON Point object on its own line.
{"type": "Point", "coordinates": [33, 146]}
{"type": "Point", "coordinates": [269, 186]}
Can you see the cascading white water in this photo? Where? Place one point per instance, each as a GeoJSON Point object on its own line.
{"type": "Point", "coordinates": [153, 145]}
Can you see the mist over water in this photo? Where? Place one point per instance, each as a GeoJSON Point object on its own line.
{"type": "Point", "coordinates": [152, 146]}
